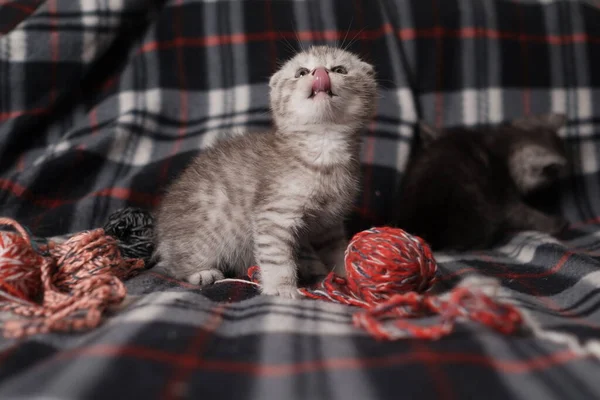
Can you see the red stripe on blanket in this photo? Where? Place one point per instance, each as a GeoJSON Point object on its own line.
{"type": "Point", "coordinates": [405, 358]}
{"type": "Point", "coordinates": [487, 33]}
{"type": "Point", "coordinates": [509, 274]}
{"type": "Point", "coordinates": [17, 6]}
{"type": "Point", "coordinates": [198, 344]}
{"type": "Point", "coordinates": [443, 384]}
{"type": "Point", "coordinates": [547, 301]}
{"type": "Point", "coordinates": [385, 29]}
{"type": "Point", "coordinates": [142, 199]}
{"type": "Point", "coordinates": [523, 280]}
{"type": "Point", "coordinates": [15, 114]}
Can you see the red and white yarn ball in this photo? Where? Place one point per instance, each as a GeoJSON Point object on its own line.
{"type": "Point", "coordinates": [384, 261]}
{"type": "Point", "coordinates": [19, 268]}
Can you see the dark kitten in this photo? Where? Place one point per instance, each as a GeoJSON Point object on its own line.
{"type": "Point", "coordinates": [466, 188]}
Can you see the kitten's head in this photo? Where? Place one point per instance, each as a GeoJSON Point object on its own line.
{"type": "Point", "coordinates": [536, 155]}
{"type": "Point", "coordinates": [323, 85]}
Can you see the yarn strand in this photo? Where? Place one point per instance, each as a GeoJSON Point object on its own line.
{"type": "Point", "coordinates": [64, 287]}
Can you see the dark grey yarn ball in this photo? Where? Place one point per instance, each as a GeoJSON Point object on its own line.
{"type": "Point", "coordinates": [133, 229]}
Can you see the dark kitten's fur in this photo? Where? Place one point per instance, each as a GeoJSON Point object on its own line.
{"type": "Point", "coordinates": [466, 188]}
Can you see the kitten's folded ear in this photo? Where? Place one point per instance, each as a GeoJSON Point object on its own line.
{"type": "Point", "coordinates": [274, 79]}
{"type": "Point", "coordinates": [553, 121]}
{"type": "Point", "coordinates": [370, 70]}
{"type": "Point", "coordinates": [428, 133]}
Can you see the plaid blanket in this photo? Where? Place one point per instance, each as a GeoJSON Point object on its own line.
{"type": "Point", "coordinates": [103, 102]}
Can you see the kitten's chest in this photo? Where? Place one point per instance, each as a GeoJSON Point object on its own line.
{"type": "Point", "coordinates": [333, 192]}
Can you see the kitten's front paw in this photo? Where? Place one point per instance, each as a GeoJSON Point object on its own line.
{"type": "Point", "coordinates": [205, 277]}
{"type": "Point", "coordinates": [287, 291]}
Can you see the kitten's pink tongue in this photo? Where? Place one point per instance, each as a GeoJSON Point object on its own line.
{"type": "Point", "coordinates": [321, 82]}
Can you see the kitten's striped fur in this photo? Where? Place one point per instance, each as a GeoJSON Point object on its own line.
{"type": "Point", "coordinates": [264, 198]}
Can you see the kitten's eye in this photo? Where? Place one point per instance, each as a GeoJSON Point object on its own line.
{"type": "Point", "coordinates": [339, 70]}
{"type": "Point", "coordinates": [301, 72]}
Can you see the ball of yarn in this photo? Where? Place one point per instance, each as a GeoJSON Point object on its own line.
{"type": "Point", "coordinates": [19, 266]}
{"type": "Point", "coordinates": [381, 262]}
{"type": "Point", "coordinates": [133, 229]}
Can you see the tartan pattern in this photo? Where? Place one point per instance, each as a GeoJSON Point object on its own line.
{"type": "Point", "coordinates": [104, 101]}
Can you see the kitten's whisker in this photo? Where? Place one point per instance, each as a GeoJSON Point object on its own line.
{"type": "Point", "coordinates": [354, 38]}
{"type": "Point", "coordinates": [347, 32]}
{"type": "Point", "coordinates": [298, 39]}
{"type": "Point", "coordinates": [287, 43]}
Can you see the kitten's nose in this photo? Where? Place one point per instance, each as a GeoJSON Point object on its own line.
{"type": "Point", "coordinates": [321, 82]}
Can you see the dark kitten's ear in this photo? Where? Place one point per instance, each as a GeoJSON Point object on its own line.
{"type": "Point", "coordinates": [552, 121]}
{"type": "Point", "coordinates": [428, 133]}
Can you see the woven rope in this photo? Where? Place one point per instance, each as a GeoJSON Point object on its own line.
{"type": "Point", "coordinates": [77, 281]}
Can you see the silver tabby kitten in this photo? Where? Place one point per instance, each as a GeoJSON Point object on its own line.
{"type": "Point", "coordinates": [265, 198]}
